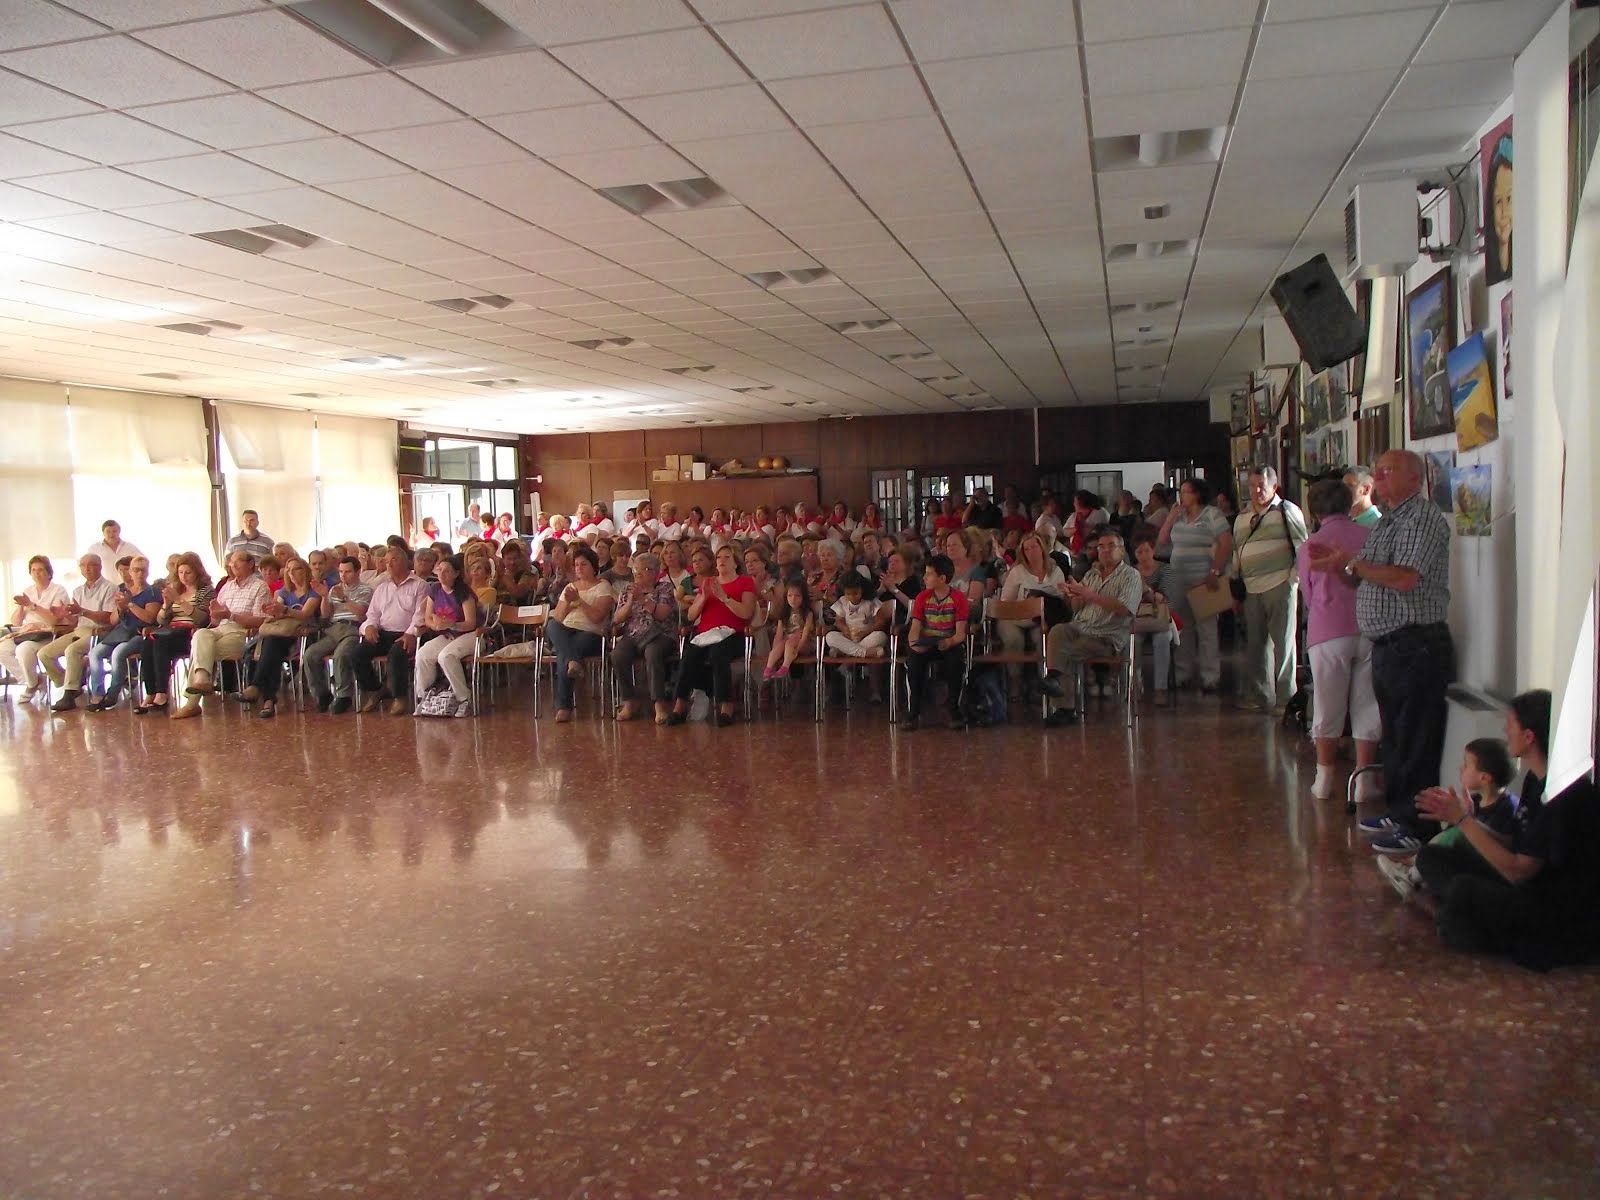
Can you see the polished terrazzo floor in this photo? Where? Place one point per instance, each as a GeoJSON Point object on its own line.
{"type": "Point", "coordinates": [391, 958]}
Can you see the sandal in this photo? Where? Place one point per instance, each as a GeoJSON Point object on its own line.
{"type": "Point", "coordinates": [626, 712]}
{"type": "Point", "coordinates": [677, 718]}
{"type": "Point", "coordinates": [148, 706]}
{"type": "Point", "coordinates": [269, 709]}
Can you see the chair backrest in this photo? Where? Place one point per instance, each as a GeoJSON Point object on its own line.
{"type": "Point", "coordinates": [510, 615]}
{"type": "Point", "coordinates": [1031, 609]}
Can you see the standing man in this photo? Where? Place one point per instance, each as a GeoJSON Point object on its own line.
{"type": "Point", "coordinates": [1402, 598]}
{"type": "Point", "coordinates": [250, 539]}
{"type": "Point", "coordinates": [111, 547]}
{"type": "Point", "coordinates": [1266, 536]}
{"type": "Point", "coordinates": [345, 604]}
{"type": "Point", "coordinates": [1363, 511]}
{"type": "Point", "coordinates": [389, 631]}
{"type": "Point", "coordinates": [94, 603]}
{"type": "Point", "coordinates": [984, 513]}
{"type": "Point", "coordinates": [471, 525]}
{"type": "Point", "coordinates": [237, 610]}
{"type": "Point", "coordinates": [1103, 605]}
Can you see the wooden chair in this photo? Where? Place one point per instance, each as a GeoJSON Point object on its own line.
{"type": "Point", "coordinates": [1012, 610]}
{"type": "Point", "coordinates": [531, 628]}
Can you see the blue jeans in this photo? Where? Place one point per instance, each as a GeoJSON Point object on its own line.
{"type": "Point", "coordinates": [116, 648]}
{"type": "Point", "coordinates": [570, 645]}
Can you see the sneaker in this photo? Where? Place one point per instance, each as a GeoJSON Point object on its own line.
{"type": "Point", "coordinates": [463, 709]}
{"type": "Point", "coordinates": [1051, 684]}
{"type": "Point", "coordinates": [67, 702]}
{"type": "Point", "coordinates": [1398, 844]}
{"type": "Point", "coordinates": [341, 704]}
{"type": "Point", "coordinates": [1398, 875]}
{"type": "Point", "coordinates": [1377, 826]}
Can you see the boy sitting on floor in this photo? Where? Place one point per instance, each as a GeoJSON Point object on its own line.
{"type": "Point", "coordinates": [1486, 772]}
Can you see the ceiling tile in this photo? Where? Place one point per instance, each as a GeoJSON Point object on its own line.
{"type": "Point", "coordinates": [257, 49]}
{"type": "Point", "coordinates": [1483, 30]}
{"type": "Point", "coordinates": [362, 105]}
{"type": "Point", "coordinates": [732, 10]}
{"type": "Point", "coordinates": [210, 175]}
{"type": "Point", "coordinates": [1305, 10]}
{"type": "Point", "coordinates": [114, 71]}
{"type": "Point", "coordinates": [1118, 20]}
{"type": "Point", "coordinates": [1192, 61]}
{"type": "Point", "coordinates": [505, 83]}
{"type": "Point", "coordinates": [616, 168]}
{"type": "Point", "coordinates": [1011, 82]}
{"type": "Point", "coordinates": [1361, 43]}
{"type": "Point", "coordinates": [102, 187]}
{"type": "Point", "coordinates": [1452, 85]}
{"type": "Point", "coordinates": [19, 159]}
{"type": "Point", "coordinates": [440, 147]}
{"type": "Point", "coordinates": [324, 160]}
{"type": "Point", "coordinates": [816, 43]}
{"type": "Point", "coordinates": [230, 122]}
{"type": "Point", "coordinates": [856, 96]}
{"type": "Point", "coordinates": [20, 204]}
{"type": "Point", "coordinates": [574, 130]}
{"type": "Point", "coordinates": [26, 100]}
{"type": "Point", "coordinates": [35, 22]}
{"type": "Point", "coordinates": [940, 29]}
{"type": "Point", "coordinates": [194, 216]}
{"type": "Point", "coordinates": [108, 229]}
{"type": "Point", "coordinates": [1154, 112]}
{"type": "Point", "coordinates": [681, 61]}
{"type": "Point", "coordinates": [560, 24]}
{"type": "Point", "coordinates": [109, 138]}
{"type": "Point", "coordinates": [714, 112]}
{"type": "Point", "coordinates": [138, 14]}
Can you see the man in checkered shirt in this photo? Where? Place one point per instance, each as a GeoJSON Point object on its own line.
{"type": "Point", "coordinates": [1402, 581]}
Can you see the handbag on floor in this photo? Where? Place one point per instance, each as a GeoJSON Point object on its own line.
{"type": "Point", "coordinates": [440, 702]}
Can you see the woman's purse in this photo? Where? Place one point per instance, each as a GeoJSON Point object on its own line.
{"type": "Point", "coordinates": [289, 627]}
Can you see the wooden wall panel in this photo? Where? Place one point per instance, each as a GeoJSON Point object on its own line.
{"type": "Point", "coordinates": [658, 443]}
{"type": "Point", "coordinates": [738, 493]}
{"type": "Point", "coordinates": [607, 478]}
{"type": "Point", "coordinates": [555, 445]}
{"type": "Point", "coordinates": [619, 444]}
{"type": "Point", "coordinates": [566, 484]}
{"type": "Point", "coordinates": [853, 485]}
{"type": "Point", "coordinates": [722, 442]}
{"type": "Point", "coordinates": [795, 440]}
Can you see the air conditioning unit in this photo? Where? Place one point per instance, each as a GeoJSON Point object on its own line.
{"type": "Point", "coordinates": [1380, 229]}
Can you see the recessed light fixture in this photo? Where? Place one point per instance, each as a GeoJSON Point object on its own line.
{"type": "Point", "coordinates": [1150, 251]}
{"type": "Point", "coordinates": [496, 384]}
{"type": "Point", "coordinates": [795, 277]}
{"type": "Point", "coordinates": [857, 328]}
{"type": "Point", "coordinates": [671, 195]}
{"type": "Point", "coordinates": [1158, 148]}
{"type": "Point", "coordinates": [329, 396]}
{"type": "Point", "coordinates": [165, 375]}
{"type": "Point", "coordinates": [1142, 307]}
{"type": "Point", "coordinates": [400, 32]}
{"type": "Point", "coordinates": [611, 344]}
{"type": "Point", "coordinates": [262, 239]}
{"type": "Point", "coordinates": [202, 328]}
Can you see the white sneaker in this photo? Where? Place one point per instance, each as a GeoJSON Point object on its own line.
{"type": "Point", "coordinates": [463, 708]}
{"type": "Point", "coordinates": [1399, 875]}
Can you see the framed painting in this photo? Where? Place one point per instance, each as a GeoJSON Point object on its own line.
{"type": "Point", "coordinates": [1430, 336]}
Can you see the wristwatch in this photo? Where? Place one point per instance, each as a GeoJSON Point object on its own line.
{"type": "Point", "coordinates": [1350, 569]}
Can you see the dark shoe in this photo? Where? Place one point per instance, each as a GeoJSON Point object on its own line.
{"type": "Point", "coordinates": [341, 704]}
{"type": "Point", "coordinates": [910, 724]}
{"type": "Point", "coordinates": [269, 709]}
{"type": "Point", "coordinates": [68, 702]}
{"type": "Point", "coordinates": [147, 707]}
{"type": "Point", "coordinates": [724, 720]}
{"type": "Point", "coordinates": [678, 718]}
{"type": "Point", "coordinates": [1061, 716]}
{"type": "Point", "coordinates": [1051, 684]}
{"type": "Point", "coordinates": [325, 702]}
{"type": "Point", "coordinates": [1400, 844]}
{"type": "Point", "coordinates": [1379, 826]}
{"type": "Point", "coordinates": [370, 702]}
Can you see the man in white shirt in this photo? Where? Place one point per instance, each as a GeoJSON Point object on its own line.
{"type": "Point", "coordinates": [249, 538]}
{"type": "Point", "coordinates": [93, 602]}
{"type": "Point", "coordinates": [237, 610]}
{"type": "Point", "coordinates": [111, 547]}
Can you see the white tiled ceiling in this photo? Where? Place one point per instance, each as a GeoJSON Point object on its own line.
{"type": "Point", "coordinates": [924, 163]}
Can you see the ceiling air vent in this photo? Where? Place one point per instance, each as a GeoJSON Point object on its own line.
{"type": "Point", "coordinates": [401, 32]}
{"type": "Point", "coordinates": [496, 384]}
{"type": "Point", "coordinates": [375, 360]}
{"type": "Point", "coordinates": [469, 304]}
{"type": "Point", "coordinates": [611, 345]}
{"type": "Point", "coordinates": [797, 277]}
{"type": "Point", "coordinates": [262, 239]}
{"type": "Point", "coordinates": [322, 396]}
{"type": "Point", "coordinates": [165, 375]}
{"type": "Point", "coordinates": [857, 328]}
{"type": "Point", "coordinates": [920, 356]}
{"type": "Point", "coordinates": [671, 195]}
{"type": "Point", "coordinates": [203, 328]}
{"type": "Point", "coordinates": [1150, 251]}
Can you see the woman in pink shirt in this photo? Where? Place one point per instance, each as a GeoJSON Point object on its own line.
{"type": "Point", "coordinates": [1341, 659]}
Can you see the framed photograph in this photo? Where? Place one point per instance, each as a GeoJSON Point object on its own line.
{"type": "Point", "coordinates": [1472, 394]}
{"type": "Point", "coordinates": [1338, 395]}
{"type": "Point", "coordinates": [1289, 391]}
{"type": "Point", "coordinates": [1441, 463]}
{"type": "Point", "coordinates": [1314, 409]}
{"type": "Point", "coordinates": [1335, 449]}
{"type": "Point", "coordinates": [1494, 157]}
{"type": "Point", "coordinates": [1474, 499]}
{"type": "Point", "coordinates": [1260, 408]}
{"type": "Point", "coordinates": [1239, 413]}
{"type": "Point", "coordinates": [1430, 336]}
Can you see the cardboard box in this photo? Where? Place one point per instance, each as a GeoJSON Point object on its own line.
{"type": "Point", "coordinates": [663, 476]}
{"type": "Point", "coordinates": [685, 476]}
{"type": "Point", "coordinates": [685, 462]}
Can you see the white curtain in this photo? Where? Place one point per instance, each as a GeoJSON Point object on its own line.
{"type": "Point", "coordinates": [358, 493]}
{"type": "Point", "coordinates": [268, 459]}
{"type": "Point", "coordinates": [141, 460]}
{"type": "Point", "coordinates": [35, 483]}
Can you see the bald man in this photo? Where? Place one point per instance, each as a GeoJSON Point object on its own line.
{"type": "Point", "coordinates": [1402, 578]}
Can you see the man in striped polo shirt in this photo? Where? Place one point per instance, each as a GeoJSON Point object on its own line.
{"type": "Point", "coordinates": [1265, 538]}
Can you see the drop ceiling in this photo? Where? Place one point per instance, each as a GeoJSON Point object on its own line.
{"type": "Point", "coordinates": [905, 206]}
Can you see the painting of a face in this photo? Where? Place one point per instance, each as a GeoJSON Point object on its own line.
{"type": "Point", "coordinates": [1496, 153]}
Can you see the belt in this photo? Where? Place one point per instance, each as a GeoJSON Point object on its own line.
{"type": "Point", "coordinates": [1410, 631]}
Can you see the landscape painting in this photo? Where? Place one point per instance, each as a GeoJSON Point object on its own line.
{"type": "Point", "coordinates": [1472, 394]}
{"type": "Point", "coordinates": [1430, 333]}
{"type": "Point", "coordinates": [1473, 488]}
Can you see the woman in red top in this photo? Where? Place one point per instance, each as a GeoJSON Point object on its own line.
{"type": "Point", "coordinates": [947, 521]}
{"type": "Point", "coordinates": [724, 600]}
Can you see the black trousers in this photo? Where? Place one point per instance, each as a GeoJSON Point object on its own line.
{"type": "Point", "coordinates": [709, 668]}
{"type": "Point", "coordinates": [949, 664]}
{"type": "Point", "coordinates": [155, 660]}
{"type": "Point", "coordinates": [1410, 671]}
{"type": "Point", "coordinates": [271, 654]}
{"type": "Point", "coordinates": [1478, 911]}
{"type": "Point", "coordinates": [387, 646]}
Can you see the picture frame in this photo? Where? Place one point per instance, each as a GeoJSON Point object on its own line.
{"type": "Point", "coordinates": [1356, 368]}
{"type": "Point", "coordinates": [1239, 413]}
{"type": "Point", "coordinates": [1260, 408]}
{"type": "Point", "coordinates": [1291, 388]}
{"type": "Point", "coordinates": [1494, 165]}
{"type": "Point", "coordinates": [1429, 338]}
{"type": "Point", "coordinates": [1314, 404]}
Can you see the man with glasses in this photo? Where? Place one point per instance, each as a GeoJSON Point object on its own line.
{"type": "Point", "coordinates": [1103, 605]}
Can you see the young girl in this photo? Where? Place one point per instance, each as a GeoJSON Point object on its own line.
{"type": "Point", "coordinates": [856, 626]}
{"type": "Point", "coordinates": [794, 631]}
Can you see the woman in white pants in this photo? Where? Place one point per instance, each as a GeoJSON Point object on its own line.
{"type": "Point", "coordinates": [1159, 627]}
{"type": "Point", "coordinates": [37, 610]}
{"type": "Point", "coordinates": [1341, 659]}
{"type": "Point", "coordinates": [450, 615]}
{"type": "Point", "coordinates": [1034, 573]}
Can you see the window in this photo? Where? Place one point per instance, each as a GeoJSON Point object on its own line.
{"type": "Point", "coordinates": [986, 482]}
{"type": "Point", "coordinates": [892, 493]}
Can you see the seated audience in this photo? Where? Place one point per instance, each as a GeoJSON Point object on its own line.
{"type": "Point", "coordinates": [343, 607]}
{"type": "Point", "coordinates": [235, 613]}
{"type": "Point", "coordinates": [619, 571]}
{"type": "Point", "coordinates": [575, 626]}
{"type": "Point", "coordinates": [647, 617]}
{"type": "Point", "coordinates": [724, 601]}
{"type": "Point", "coordinates": [136, 607]}
{"type": "Point", "coordinates": [972, 578]}
{"type": "Point", "coordinates": [1033, 574]}
{"type": "Point", "coordinates": [447, 634]}
{"type": "Point", "coordinates": [936, 641]}
{"type": "Point", "coordinates": [601, 515]}
{"type": "Point", "coordinates": [389, 631]}
{"type": "Point", "coordinates": [291, 614]}
{"type": "Point", "coordinates": [270, 567]}
{"type": "Point", "coordinates": [92, 609]}
{"type": "Point", "coordinates": [858, 625]}
{"type": "Point", "coordinates": [1341, 659]}
{"type": "Point", "coordinates": [982, 512]}
{"type": "Point", "coordinates": [503, 529]}
{"type": "Point", "coordinates": [186, 600]}
{"type": "Point", "coordinates": [668, 528]}
{"type": "Point", "coordinates": [518, 584]}
{"type": "Point", "coordinates": [322, 567]}
{"type": "Point", "coordinates": [1103, 605]}
{"type": "Point", "coordinates": [37, 612]}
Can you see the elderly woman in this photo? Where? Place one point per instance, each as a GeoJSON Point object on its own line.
{"type": "Point", "coordinates": [447, 634]}
{"type": "Point", "coordinates": [647, 615]}
{"type": "Point", "coordinates": [291, 614]}
{"type": "Point", "coordinates": [1341, 659]}
{"type": "Point", "coordinates": [37, 610]}
{"type": "Point", "coordinates": [576, 625]}
{"type": "Point", "coordinates": [1202, 543]}
{"type": "Point", "coordinates": [185, 606]}
{"type": "Point", "coordinates": [136, 606]}
{"type": "Point", "coordinates": [723, 605]}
